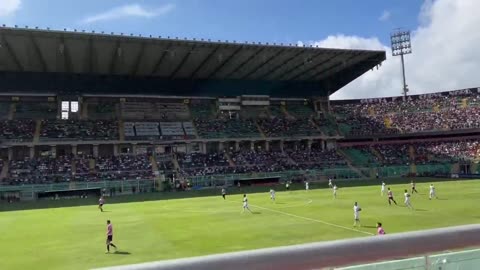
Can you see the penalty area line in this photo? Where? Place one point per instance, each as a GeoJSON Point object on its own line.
{"type": "Point", "coordinates": [311, 219]}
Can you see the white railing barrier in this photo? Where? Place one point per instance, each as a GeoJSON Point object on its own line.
{"type": "Point", "coordinates": [328, 254]}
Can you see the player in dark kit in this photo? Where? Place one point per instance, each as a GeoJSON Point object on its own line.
{"type": "Point", "coordinates": [413, 188]}
{"type": "Point", "coordinates": [224, 193]}
{"type": "Point", "coordinates": [110, 237]}
{"type": "Point", "coordinates": [390, 197]}
{"type": "Point", "coordinates": [101, 201]}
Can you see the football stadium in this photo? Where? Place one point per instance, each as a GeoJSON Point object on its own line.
{"type": "Point", "coordinates": [194, 148]}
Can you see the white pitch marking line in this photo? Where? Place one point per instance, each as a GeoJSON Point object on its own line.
{"type": "Point", "coordinates": [314, 220]}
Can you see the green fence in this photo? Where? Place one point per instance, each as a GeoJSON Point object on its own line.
{"type": "Point", "coordinates": [464, 260]}
{"type": "Point", "coordinates": [434, 169]}
{"type": "Point", "coordinates": [222, 179]}
{"type": "Point", "coordinates": [336, 173]}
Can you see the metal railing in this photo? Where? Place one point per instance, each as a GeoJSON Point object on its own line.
{"type": "Point", "coordinates": [328, 255]}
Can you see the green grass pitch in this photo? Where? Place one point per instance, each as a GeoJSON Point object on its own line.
{"type": "Point", "coordinates": [74, 237]}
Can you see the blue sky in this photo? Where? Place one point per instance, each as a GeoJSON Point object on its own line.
{"type": "Point", "coordinates": [444, 32]}
{"type": "Point", "coordinates": [246, 20]}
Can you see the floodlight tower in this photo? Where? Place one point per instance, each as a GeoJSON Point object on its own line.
{"type": "Point", "coordinates": [401, 45]}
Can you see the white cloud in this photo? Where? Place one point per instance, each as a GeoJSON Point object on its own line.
{"type": "Point", "coordinates": [385, 16]}
{"type": "Point", "coordinates": [9, 7]}
{"type": "Point", "coordinates": [134, 10]}
{"type": "Point", "coordinates": [445, 53]}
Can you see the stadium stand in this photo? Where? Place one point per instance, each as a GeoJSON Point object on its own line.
{"type": "Point", "coordinates": [36, 110]}
{"type": "Point", "coordinates": [302, 111]}
{"type": "Point", "coordinates": [284, 127]}
{"type": "Point", "coordinates": [164, 162]}
{"type": "Point", "coordinates": [206, 121]}
{"type": "Point", "coordinates": [18, 130]}
{"type": "Point", "coordinates": [316, 158]}
{"type": "Point", "coordinates": [392, 154]}
{"type": "Point", "coordinates": [42, 170]}
{"type": "Point", "coordinates": [154, 111]}
{"type": "Point", "coordinates": [123, 167]}
{"type": "Point", "coordinates": [226, 128]}
{"type": "Point", "coordinates": [361, 156]}
{"type": "Point", "coordinates": [4, 110]}
{"type": "Point", "coordinates": [203, 109]}
{"type": "Point", "coordinates": [101, 111]}
{"type": "Point", "coordinates": [456, 110]}
{"type": "Point", "coordinates": [82, 166]}
{"type": "Point", "coordinates": [79, 130]}
{"type": "Point", "coordinates": [172, 130]}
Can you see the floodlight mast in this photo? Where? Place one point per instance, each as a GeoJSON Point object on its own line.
{"type": "Point", "coordinates": [401, 45]}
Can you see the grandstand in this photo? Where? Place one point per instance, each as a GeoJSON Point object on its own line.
{"type": "Point", "coordinates": [166, 109]}
{"type": "Point", "coordinates": [135, 114]}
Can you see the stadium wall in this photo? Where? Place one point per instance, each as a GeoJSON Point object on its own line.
{"type": "Point", "coordinates": [329, 254]}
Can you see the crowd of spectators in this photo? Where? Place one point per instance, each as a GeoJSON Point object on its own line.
{"type": "Point", "coordinates": [433, 112]}
{"type": "Point", "coordinates": [123, 167]}
{"type": "Point", "coordinates": [44, 170]}
{"type": "Point", "coordinates": [259, 161]}
{"type": "Point", "coordinates": [393, 154]}
{"type": "Point", "coordinates": [226, 128]}
{"type": "Point", "coordinates": [199, 160]}
{"type": "Point", "coordinates": [285, 127]}
{"type": "Point", "coordinates": [79, 130]}
{"type": "Point", "coordinates": [451, 118]}
{"type": "Point", "coordinates": [40, 170]}
{"type": "Point", "coordinates": [316, 157]}
{"type": "Point", "coordinates": [19, 130]}
{"type": "Point", "coordinates": [464, 150]}
{"type": "Point", "coordinates": [82, 167]}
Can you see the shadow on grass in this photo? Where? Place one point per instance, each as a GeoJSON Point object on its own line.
{"type": "Point", "coordinates": [421, 210]}
{"type": "Point", "coordinates": [256, 213]}
{"type": "Point", "coordinates": [122, 253]}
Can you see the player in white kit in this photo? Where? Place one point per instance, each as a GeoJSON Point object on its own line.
{"type": "Point", "coordinates": [245, 203]}
{"type": "Point", "coordinates": [330, 185]}
{"type": "Point", "coordinates": [335, 191]}
{"type": "Point", "coordinates": [432, 192]}
{"type": "Point", "coordinates": [306, 185]}
{"type": "Point", "coordinates": [383, 189]}
{"type": "Point", "coordinates": [407, 199]}
{"type": "Point", "coordinates": [356, 214]}
{"type": "Point", "coordinates": [272, 194]}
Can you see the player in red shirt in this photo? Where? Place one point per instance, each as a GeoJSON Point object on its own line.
{"type": "Point", "coordinates": [110, 237]}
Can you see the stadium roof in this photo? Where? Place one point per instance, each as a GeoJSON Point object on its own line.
{"type": "Point", "coordinates": [34, 50]}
